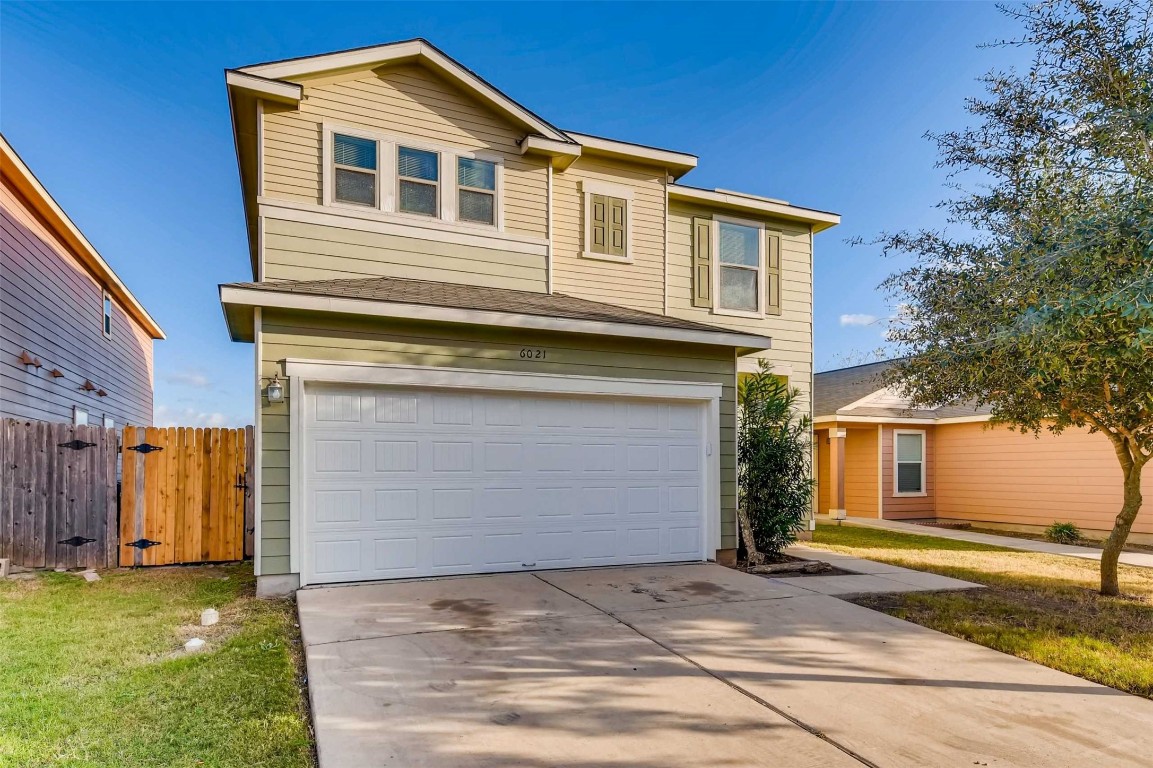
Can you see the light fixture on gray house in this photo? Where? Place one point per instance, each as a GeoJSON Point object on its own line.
{"type": "Point", "coordinates": [275, 391]}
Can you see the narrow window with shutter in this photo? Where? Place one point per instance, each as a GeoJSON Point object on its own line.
{"type": "Point", "coordinates": [608, 223]}
{"type": "Point", "coordinates": [772, 273]}
{"type": "Point", "coordinates": [702, 262]}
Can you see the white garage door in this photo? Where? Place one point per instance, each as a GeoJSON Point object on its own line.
{"type": "Point", "coordinates": [402, 483]}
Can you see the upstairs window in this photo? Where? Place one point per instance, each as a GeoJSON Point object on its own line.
{"type": "Point", "coordinates": [739, 256]}
{"type": "Point", "coordinates": [418, 180]}
{"type": "Point", "coordinates": [106, 321]}
{"type": "Point", "coordinates": [476, 190]}
{"type": "Point", "coordinates": [909, 462]}
{"type": "Point", "coordinates": [354, 170]}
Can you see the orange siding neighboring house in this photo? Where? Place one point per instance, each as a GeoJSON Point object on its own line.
{"type": "Point", "coordinates": [861, 483]}
{"type": "Point", "coordinates": [906, 507]}
{"type": "Point", "coordinates": [999, 476]}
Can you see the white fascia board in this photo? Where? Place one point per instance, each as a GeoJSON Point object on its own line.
{"type": "Point", "coordinates": [563, 153]}
{"type": "Point", "coordinates": [344, 372]}
{"type": "Point", "coordinates": [871, 420]}
{"type": "Point", "coordinates": [975, 419]}
{"type": "Point", "coordinates": [396, 52]}
{"type": "Point", "coordinates": [230, 295]}
{"type": "Point", "coordinates": [819, 220]}
{"type": "Point", "coordinates": [265, 88]}
{"type": "Point", "coordinates": [674, 161]}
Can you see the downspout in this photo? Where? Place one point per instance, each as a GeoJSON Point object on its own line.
{"type": "Point", "coordinates": [548, 230]}
{"type": "Point", "coordinates": [666, 243]}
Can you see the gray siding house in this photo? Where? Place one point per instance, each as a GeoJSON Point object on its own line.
{"type": "Point", "coordinates": [75, 344]}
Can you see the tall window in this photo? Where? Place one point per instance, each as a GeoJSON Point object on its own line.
{"type": "Point", "coordinates": [739, 280]}
{"type": "Point", "coordinates": [79, 416]}
{"type": "Point", "coordinates": [106, 321]}
{"type": "Point", "coordinates": [418, 179]}
{"type": "Point", "coordinates": [354, 168]}
{"type": "Point", "coordinates": [909, 448]}
{"type": "Point", "coordinates": [476, 190]}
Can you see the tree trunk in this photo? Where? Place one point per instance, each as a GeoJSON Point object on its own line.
{"type": "Point", "coordinates": [753, 554]}
{"type": "Point", "coordinates": [1130, 506]}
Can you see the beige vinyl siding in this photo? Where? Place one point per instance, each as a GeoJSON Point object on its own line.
{"type": "Point", "coordinates": [905, 507]}
{"type": "Point", "coordinates": [403, 101]}
{"type": "Point", "coordinates": [999, 476]}
{"type": "Point", "coordinates": [300, 251]}
{"type": "Point", "coordinates": [348, 338]}
{"type": "Point", "coordinates": [639, 285]}
{"type": "Point", "coordinates": [861, 472]}
{"type": "Point", "coordinates": [791, 330]}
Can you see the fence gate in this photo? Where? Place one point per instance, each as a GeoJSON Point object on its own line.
{"type": "Point", "coordinates": [57, 495]}
{"type": "Point", "coordinates": [185, 495]}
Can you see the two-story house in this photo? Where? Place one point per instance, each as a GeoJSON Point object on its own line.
{"type": "Point", "coordinates": [75, 344]}
{"type": "Point", "coordinates": [485, 343]}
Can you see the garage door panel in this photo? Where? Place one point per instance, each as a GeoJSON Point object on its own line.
{"type": "Point", "coordinates": [403, 483]}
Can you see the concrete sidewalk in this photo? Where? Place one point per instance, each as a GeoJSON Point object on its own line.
{"type": "Point", "coordinates": [1140, 559]}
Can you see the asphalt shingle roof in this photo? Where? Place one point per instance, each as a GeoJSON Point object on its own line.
{"type": "Point", "coordinates": [834, 390]}
{"type": "Point", "coordinates": [474, 297]}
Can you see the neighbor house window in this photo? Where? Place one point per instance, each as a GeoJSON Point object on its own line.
{"type": "Point", "coordinates": [106, 321]}
{"type": "Point", "coordinates": [418, 181]}
{"type": "Point", "coordinates": [476, 190]}
{"type": "Point", "coordinates": [109, 422]}
{"type": "Point", "coordinates": [739, 267]}
{"type": "Point", "coordinates": [354, 170]}
{"type": "Point", "coordinates": [79, 416]}
{"type": "Point", "coordinates": [909, 460]}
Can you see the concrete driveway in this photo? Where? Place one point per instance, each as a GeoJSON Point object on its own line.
{"type": "Point", "coordinates": [679, 667]}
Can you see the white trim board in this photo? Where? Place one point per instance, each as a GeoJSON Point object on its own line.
{"type": "Point", "coordinates": [301, 372]}
{"type": "Point", "coordinates": [231, 295]}
{"type": "Point", "coordinates": [819, 220]}
{"type": "Point", "coordinates": [900, 420]}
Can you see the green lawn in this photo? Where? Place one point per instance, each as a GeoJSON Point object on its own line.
{"type": "Point", "coordinates": [95, 674]}
{"type": "Point", "coordinates": [1044, 608]}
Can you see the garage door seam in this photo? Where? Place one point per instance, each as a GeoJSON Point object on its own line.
{"type": "Point", "coordinates": [749, 694]}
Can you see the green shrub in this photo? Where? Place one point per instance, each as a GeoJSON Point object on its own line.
{"type": "Point", "coordinates": [774, 474]}
{"type": "Point", "coordinates": [1063, 533]}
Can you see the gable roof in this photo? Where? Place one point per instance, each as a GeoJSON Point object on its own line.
{"type": "Point", "coordinates": [453, 302]}
{"type": "Point", "coordinates": [20, 176]}
{"type": "Point", "coordinates": [275, 73]}
{"type": "Point", "coordinates": [860, 392]}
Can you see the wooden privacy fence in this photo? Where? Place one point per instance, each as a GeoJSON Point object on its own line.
{"type": "Point", "coordinates": [185, 495]}
{"type": "Point", "coordinates": [57, 495]}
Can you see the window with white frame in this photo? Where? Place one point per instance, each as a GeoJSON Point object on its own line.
{"type": "Point", "coordinates": [740, 256]}
{"type": "Point", "coordinates": [79, 415]}
{"type": "Point", "coordinates": [418, 181]}
{"type": "Point", "coordinates": [106, 320]}
{"type": "Point", "coordinates": [354, 170]}
{"type": "Point", "coordinates": [476, 190]}
{"type": "Point", "coordinates": [109, 422]}
{"type": "Point", "coordinates": [909, 462]}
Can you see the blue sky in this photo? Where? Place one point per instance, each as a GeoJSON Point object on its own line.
{"type": "Point", "coordinates": [120, 109]}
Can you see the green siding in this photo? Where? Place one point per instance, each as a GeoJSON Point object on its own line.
{"type": "Point", "coordinates": [316, 336]}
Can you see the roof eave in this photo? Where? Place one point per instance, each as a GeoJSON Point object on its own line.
{"type": "Point", "coordinates": [676, 163]}
{"type": "Point", "coordinates": [25, 181]}
{"type": "Point", "coordinates": [238, 297]}
{"type": "Point", "coordinates": [818, 220]}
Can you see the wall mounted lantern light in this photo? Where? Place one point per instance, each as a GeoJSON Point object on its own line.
{"type": "Point", "coordinates": [275, 390]}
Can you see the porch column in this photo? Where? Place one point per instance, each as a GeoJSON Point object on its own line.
{"type": "Point", "coordinates": [837, 473]}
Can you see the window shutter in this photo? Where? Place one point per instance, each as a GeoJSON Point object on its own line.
{"type": "Point", "coordinates": [702, 262]}
{"type": "Point", "coordinates": [598, 224]}
{"type": "Point", "coordinates": [772, 273]}
{"type": "Point", "coordinates": [616, 227]}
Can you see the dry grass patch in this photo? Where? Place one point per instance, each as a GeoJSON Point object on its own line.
{"type": "Point", "coordinates": [1044, 608]}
